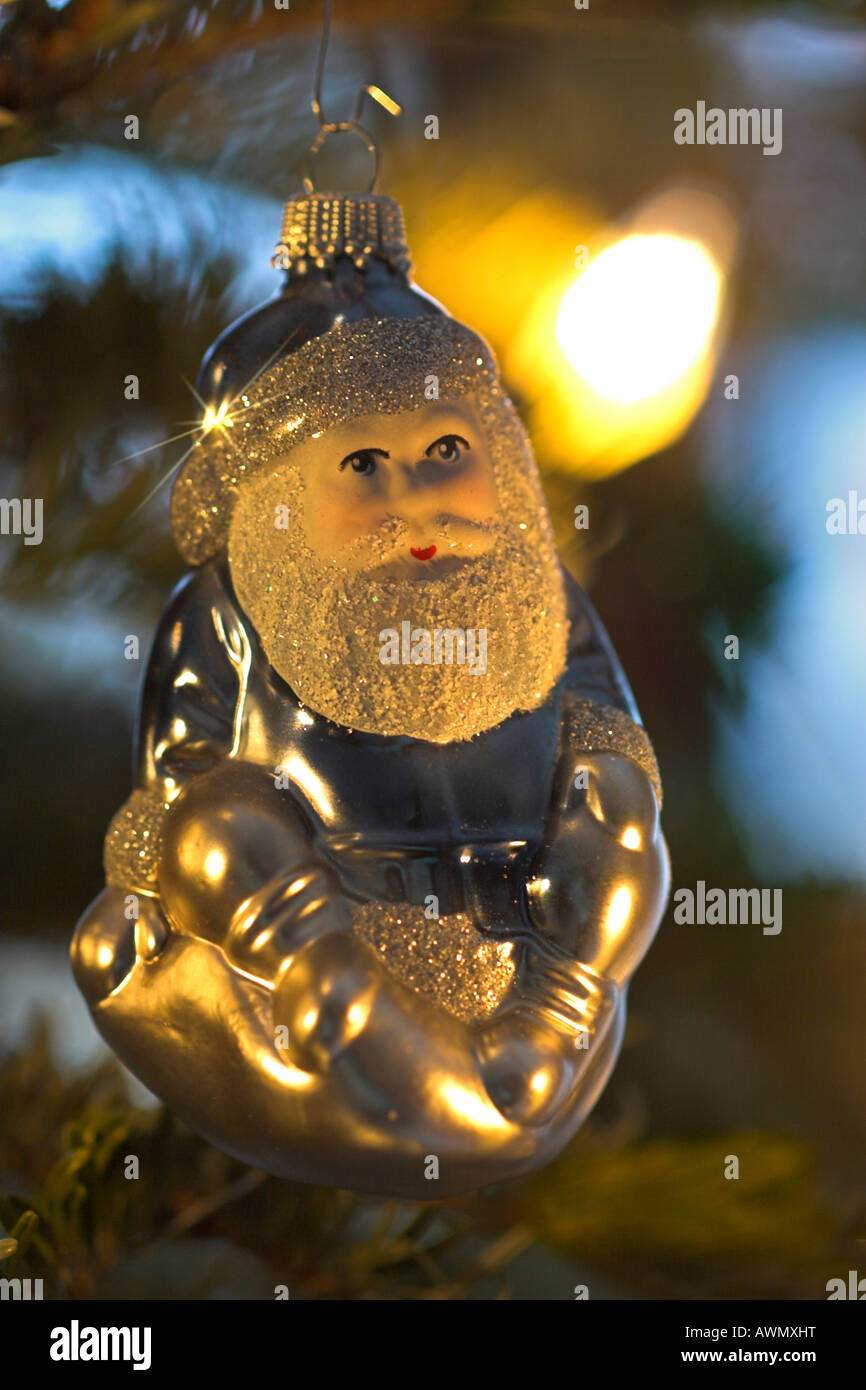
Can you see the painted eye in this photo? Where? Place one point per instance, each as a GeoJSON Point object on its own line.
{"type": "Point", "coordinates": [448, 448]}
{"type": "Point", "coordinates": [364, 461]}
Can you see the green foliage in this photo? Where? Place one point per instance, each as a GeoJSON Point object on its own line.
{"type": "Point", "coordinates": [196, 1223]}
{"type": "Point", "coordinates": [653, 1218]}
{"type": "Point", "coordinates": [102, 464]}
{"type": "Point", "coordinates": [664, 1216]}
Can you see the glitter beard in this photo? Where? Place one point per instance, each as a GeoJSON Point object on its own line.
{"type": "Point", "coordinates": [322, 628]}
{"type": "Point", "coordinates": [321, 624]}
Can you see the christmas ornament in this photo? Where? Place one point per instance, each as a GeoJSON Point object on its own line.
{"type": "Point", "coordinates": [393, 852]}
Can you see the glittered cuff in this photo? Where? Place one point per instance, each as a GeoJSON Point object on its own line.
{"type": "Point", "coordinates": [598, 728]}
{"type": "Point", "coordinates": [132, 845]}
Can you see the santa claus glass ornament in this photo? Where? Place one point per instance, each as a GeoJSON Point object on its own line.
{"type": "Point", "coordinates": [393, 852]}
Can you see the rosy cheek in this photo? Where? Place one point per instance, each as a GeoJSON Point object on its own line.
{"type": "Point", "coordinates": [342, 521]}
{"type": "Point", "coordinates": [474, 493]}
{"type": "Point", "coordinates": [359, 515]}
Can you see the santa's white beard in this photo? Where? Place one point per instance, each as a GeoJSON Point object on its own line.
{"type": "Point", "coordinates": [326, 632]}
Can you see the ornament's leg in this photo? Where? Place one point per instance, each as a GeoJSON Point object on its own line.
{"type": "Point", "coordinates": [314, 1057]}
{"type": "Point", "coordinates": [297, 905]}
{"type": "Point", "coordinates": [326, 997]}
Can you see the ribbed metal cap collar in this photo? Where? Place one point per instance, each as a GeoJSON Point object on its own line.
{"type": "Point", "coordinates": [317, 228]}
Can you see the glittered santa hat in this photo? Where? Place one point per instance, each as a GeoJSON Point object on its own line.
{"type": "Point", "coordinates": [345, 259]}
{"type": "Point", "coordinates": [348, 335]}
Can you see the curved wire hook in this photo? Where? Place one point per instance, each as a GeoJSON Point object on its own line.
{"type": "Point", "coordinates": [327, 127]}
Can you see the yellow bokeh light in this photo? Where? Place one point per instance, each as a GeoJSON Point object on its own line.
{"type": "Point", "coordinates": [617, 351]}
{"type": "Point", "coordinates": [642, 313]}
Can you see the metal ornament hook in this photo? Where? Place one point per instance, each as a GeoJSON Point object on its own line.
{"type": "Point", "coordinates": [339, 128]}
{"type": "Point", "coordinates": [353, 125]}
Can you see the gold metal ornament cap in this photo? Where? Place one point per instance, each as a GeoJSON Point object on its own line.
{"type": "Point", "coordinates": [319, 227]}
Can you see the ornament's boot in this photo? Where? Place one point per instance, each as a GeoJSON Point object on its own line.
{"type": "Point", "coordinates": [117, 930]}
{"type": "Point", "coordinates": [536, 1052]}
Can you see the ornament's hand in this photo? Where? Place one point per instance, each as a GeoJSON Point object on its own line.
{"type": "Point", "coordinates": [598, 893]}
{"type": "Point", "coordinates": [526, 1066]}
{"type": "Point", "coordinates": [271, 927]}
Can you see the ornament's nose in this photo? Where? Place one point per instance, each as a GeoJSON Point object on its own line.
{"type": "Point", "coordinates": [413, 489]}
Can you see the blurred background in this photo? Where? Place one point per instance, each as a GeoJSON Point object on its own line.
{"type": "Point", "coordinates": [683, 329]}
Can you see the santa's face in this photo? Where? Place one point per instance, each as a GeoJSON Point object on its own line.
{"type": "Point", "coordinates": [424, 476]}
{"type": "Point", "coordinates": [411, 588]}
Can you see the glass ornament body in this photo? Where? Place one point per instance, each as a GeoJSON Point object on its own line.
{"type": "Point", "coordinates": [341, 954]}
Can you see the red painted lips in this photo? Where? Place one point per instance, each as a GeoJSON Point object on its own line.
{"type": "Point", "coordinates": [426, 554]}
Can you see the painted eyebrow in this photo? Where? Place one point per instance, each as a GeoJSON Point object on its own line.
{"type": "Point", "coordinates": [451, 435]}
{"type": "Point", "coordinates": [380, 453]}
